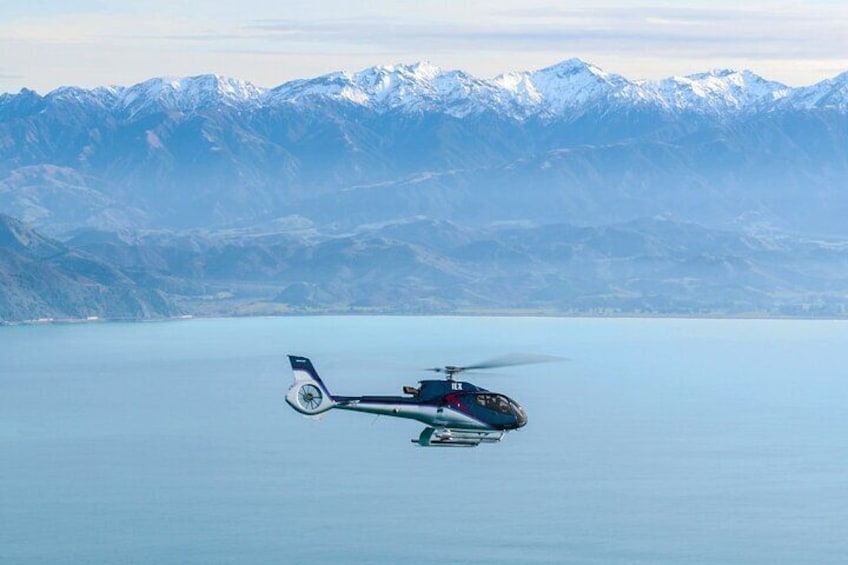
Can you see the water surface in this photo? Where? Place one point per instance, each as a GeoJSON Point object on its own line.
{"type": "Point", "coordinates": [661, 441]}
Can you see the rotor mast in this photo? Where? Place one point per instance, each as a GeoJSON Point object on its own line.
{"type": "Point", "coordinates": [448, 370]}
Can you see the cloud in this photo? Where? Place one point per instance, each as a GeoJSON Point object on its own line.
{"type": "Point", "coordinates": [8, 75]}
{"type": "Point", "coordinates": [667, 32]}
{"type": "Point", "coordinates": [766, 14]}
{"type": "Point", "coordinates": [82, 40]}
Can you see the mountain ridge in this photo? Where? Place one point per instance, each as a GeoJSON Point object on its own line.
{"type": "Point", "coordinates": [553, 89]}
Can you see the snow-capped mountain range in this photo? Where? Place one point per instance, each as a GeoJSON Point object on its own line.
{"type": "Point", "coordinates": [550, 92]}
{"type": "Point", "coordinates": [570, 142]}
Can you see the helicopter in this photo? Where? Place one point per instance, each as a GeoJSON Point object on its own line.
{"type": "Point", "coordinates": [457, 413]}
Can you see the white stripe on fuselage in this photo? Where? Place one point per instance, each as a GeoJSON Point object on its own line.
{"type": "Point", "coordinates": [439, 417]}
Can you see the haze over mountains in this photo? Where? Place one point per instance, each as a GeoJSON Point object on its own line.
{"type": "Point", "coordinates": [431, 183]}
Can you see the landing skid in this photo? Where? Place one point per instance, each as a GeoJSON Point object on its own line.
{"type": "Point", "coordinates": [447, 437]}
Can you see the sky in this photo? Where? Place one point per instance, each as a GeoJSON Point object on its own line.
{"type": "Point", "coordinates": [88, 43]}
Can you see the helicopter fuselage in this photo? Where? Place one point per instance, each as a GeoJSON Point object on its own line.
{"type": "Point", "coordinates": [444, 404]}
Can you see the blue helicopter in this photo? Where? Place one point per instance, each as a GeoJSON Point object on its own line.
{"type": "Point", "coordinates": [457, 413]}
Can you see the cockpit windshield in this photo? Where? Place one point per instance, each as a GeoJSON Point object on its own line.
{"type": "Point", "coordinates": [496, 402]}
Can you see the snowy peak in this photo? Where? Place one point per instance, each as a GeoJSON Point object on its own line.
{"type": "Point", "coordinates": [719, 90]}
{"type": "Point", "coordinates": [412, 88]}
{"type": "Point", "coordinates": [828, 94]}
{"type": "Point", "coordinates": [383, 78]}
{"type": "Point", "coordinates": [334, 86]}
{"type": "Point", "coordinates": [374, 86]}
{"type": "Point", "coordinates": [227, 89]}
{"type": "Point", "coordinates": [574, 83]}
{"type": "Point", "coordinates": [519, 88]}
{"type": "Point", "coordinates": [576, 71]}
{"type": "Point", "coordinates": [569, 86]}
{"type": "Point", "coordinates": [103, 97]}
{"type": "Point", "coordinates": [395, 86]}
{"type": "Point", "coordinates": [23, 103]}
{"type": "Point", "coordinates": [186, 94]}
{"type": "Point", "coordinates": [463, 94]}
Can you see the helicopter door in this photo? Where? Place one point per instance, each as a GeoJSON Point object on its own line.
{"type": "Point", "coordinates": [445, 413]}
{"type": "Point", "coordinates": [440, 420]}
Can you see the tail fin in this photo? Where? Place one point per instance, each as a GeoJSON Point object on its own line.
{"type": "Point", "coordinates": [307, 395]}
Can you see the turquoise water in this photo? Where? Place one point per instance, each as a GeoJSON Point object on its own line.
{"type": "Point", "coordinates": [660, 441]}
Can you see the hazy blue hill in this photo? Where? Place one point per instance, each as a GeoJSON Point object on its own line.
{"type": "Point", "coordinates": [648, 266]}
{"type": "Point", "coordinates": [655, 266]}
{"type": "Point", "coordinates": [42, 278]}
{"type": "Point", "coordinates": [17, 238]}
{"type": "Point", "coordinates": [715, 181]}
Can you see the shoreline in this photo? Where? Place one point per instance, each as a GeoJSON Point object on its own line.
{"type": "Point", "coordinates": [478, 314]}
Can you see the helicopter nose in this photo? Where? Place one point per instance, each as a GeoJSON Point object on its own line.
{"type": "Point", "coordinates": [521, 420]}
{"type": "Point", "coordinates": [520, 415]}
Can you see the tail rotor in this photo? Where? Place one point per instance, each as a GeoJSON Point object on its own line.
{"type": "Point", "coordinates": [307, 394]}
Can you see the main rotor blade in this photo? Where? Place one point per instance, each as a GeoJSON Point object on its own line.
{"type": "Point", "coordinates": [513, 360]}
{"type": "Point", "coordinates": [498, 362]}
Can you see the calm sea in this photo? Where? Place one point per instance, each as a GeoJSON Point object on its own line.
{"type": "Point", "coordinates": [660, 441]}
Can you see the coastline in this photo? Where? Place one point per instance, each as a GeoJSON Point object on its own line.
{"type": "Point", "coordinates": [458, 314]}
